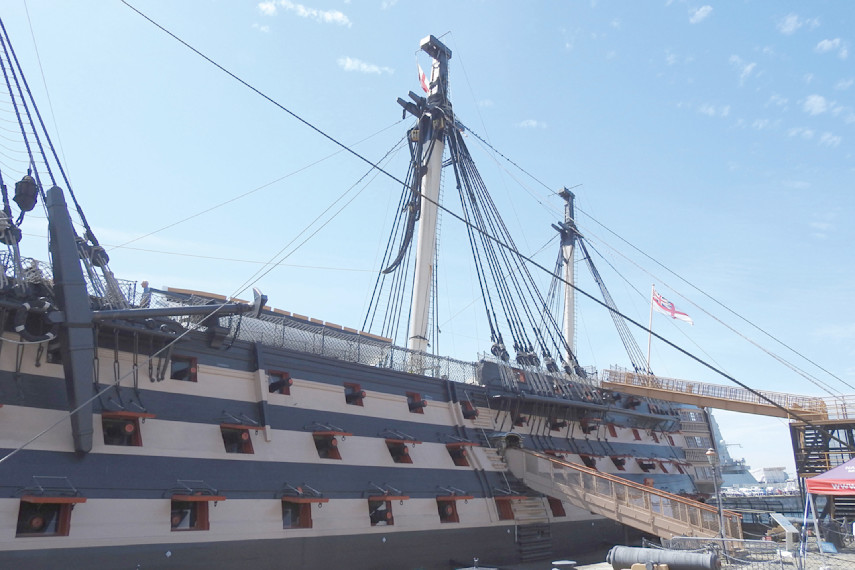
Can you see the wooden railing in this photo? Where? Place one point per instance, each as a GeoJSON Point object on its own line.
{"type": "Point", "coordinates": [650, 510]}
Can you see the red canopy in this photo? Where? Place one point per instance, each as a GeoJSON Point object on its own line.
{"type": "Point", "coordinates": [837, 481]}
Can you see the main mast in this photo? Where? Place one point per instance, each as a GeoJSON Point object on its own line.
{"type": "Point", "coordinates": [432, 137]}
{"type": "Point", "coordinates": [568, 247]}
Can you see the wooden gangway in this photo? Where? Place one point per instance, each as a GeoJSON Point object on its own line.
{"type": "Point", "coordinates": [716, 396]}
{"type": "Point", "coordinates": [645, 508]}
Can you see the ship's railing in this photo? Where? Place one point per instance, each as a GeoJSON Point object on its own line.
{"type": "Point", "coordinates": [309, 337]}
{"type": "Point", "coordinates": [651, 510]}
{"type": "Point", "coordinates": [37, 272]}
{"type": "Point", "coordinates": [809, 406]}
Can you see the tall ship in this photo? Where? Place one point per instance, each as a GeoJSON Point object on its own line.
{"type": "Point", "coordinates": [147, 427]}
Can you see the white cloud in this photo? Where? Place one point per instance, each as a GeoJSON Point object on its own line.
{"type": "Point", "coordinates": [486, 103]}
{"type": "Point", "coordinates": [836, 44]}
{"type": "Point", "coordinates": [337, 17]}
{"type": "Point", "coordinates": [745, 69]}
{"type": "Point", "coordinates": [531, 124]}
{"type": "Point", "coordinates": [699, 15]}
{"type": "Point", "coordinates": [712, 111]}
{"type": "Point", "coordinates": [815, 105]}
{"type": "Point", "coordinates": [778, 101]}
{"type": "Point", "coordinates": [386, 4]}
{"type": "Point", "coordinates": [844, 84]}
{"type": "Point", "coordinates": [761, 124]}
{"type": "Point", "coordinates": [827, 45]}
{"type": "Point", "coordinates": [261, 28]}
{"type": "Point", "coordinates": [802, 132]}
{"type": "Point", "coordinates": [353, 64]}
{"type": "Point", "coordinates": [830, 140]}
{"type": "Point", "coordinates": [796, 184]}
{"type": "Point", "coordinates": [791, 23]}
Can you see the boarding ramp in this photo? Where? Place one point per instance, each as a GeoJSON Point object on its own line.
{"type": "Point", "coordinates": [645, 508]}
{"type": "Point", "coordinates": [716, 396]}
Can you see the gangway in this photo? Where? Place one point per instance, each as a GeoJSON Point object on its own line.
{"type": "Point", "coordinates": [645, 508]}
{"type": "Point", "coordinates": [716, 396]}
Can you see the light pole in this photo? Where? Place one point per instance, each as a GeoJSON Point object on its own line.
{"type": "Point", "coordinates": [712, 457]}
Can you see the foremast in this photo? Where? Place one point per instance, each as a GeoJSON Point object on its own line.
{"type": "Point", "coordinates": [431, 133]}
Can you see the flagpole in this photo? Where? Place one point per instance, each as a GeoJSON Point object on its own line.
{"type": "Point", "coordinates": [650, 326]}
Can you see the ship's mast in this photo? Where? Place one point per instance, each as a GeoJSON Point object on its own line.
{"type": "Point", "coordinates": [568, 247]}
{"type": "Point", "coordinates": [432, 134]}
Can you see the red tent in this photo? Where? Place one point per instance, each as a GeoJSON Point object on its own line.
{"type": "Point", "coordinates": [837, 481]}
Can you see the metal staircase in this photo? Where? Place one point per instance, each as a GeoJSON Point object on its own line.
{"type": "Point", "coordinates": [811, 452]}
{"type": "Point", "coordinates": [645, 508]}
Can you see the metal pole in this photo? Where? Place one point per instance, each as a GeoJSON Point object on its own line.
{"type": "Point", "coordinates": [712, 457]}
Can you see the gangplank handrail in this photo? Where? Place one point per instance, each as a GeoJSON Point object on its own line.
{"type": "Point", "coordinates": [646, 508]}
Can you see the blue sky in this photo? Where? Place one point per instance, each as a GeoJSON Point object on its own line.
{"type": "Point", "coordinates": [717, 138]}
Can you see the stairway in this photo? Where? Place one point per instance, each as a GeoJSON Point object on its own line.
{"type": "Point", "coordinates": [534, 537]}
{"type": "Point", "coordinates": [645, 508]}
{"type": "Point", "coordinates": [495, 459]}
{"type": "Point", "coordinates": [844, 507]}
{"type": "Point", "coordinates": [813, 456]}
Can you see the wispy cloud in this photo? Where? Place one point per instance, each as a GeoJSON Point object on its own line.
{"type": "Point", "coordinates": [815, 105]}
{"type": "Point", "coordinates": [353, 64]}
{"type": "Point", "coordinates": [699, 15]}
{"type": "Point", "coordinates": [844, 84]}
{"type": "Point", "coordinates": [822, 224]}
{"type": "Point", "coordinates": [386, 4]}
{"type": "Point", "coordinates": [270, 7]}
{"type": "Point", "coordinates": [531, 124]}
{"type": "Point", "coordinates": [485, 103]}
{"type": "Point", "coordinates": [836, 44]}
{"type": "Point", "coordinates": [836, 332]}
{"type": "Point", "coordinates": [801, 132]}
{"type": "Point", "coordinates": [763, 124]}
{"type": "Point", "coordinates": [670, 58]}
{"type": "Point", "coordinates": [714, 111]}
{"type": "Point", "coordinates": [745, 69]}
{"type": "Point", "coordinates": [778, 101]}
{"type": "Point", "coordinates": [830, 140]}
{"type": "Point", "coordinates": [791, 23]}
{"type": "Point", "coordinates": [261, 28]}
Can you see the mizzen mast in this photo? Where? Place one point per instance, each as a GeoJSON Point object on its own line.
{"type": "Point", "coordinates": [431, 132]}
